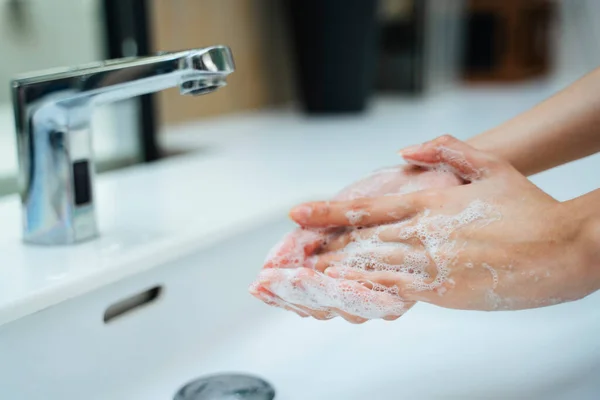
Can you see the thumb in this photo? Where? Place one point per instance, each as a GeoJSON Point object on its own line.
{"type": "Point", "coordinates": [447, 151]}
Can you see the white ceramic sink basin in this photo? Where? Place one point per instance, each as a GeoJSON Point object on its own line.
{"type": "Point", "coordinates": [205, 322]}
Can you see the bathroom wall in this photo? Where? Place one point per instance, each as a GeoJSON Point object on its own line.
{"type": "Point", "coordinates": [443, 44]}
{"type": "Point", "coordinates": [40, 34]}
{"type": "Point", "coordinates": [46, 33]}
{"type": "Point", "coordinates": [577, 38]}
{"type": "Point", "coordinates": [256, 32]}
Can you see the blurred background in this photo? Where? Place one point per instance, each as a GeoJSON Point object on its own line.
{"type": "Point", "coordinates": [315, 57]}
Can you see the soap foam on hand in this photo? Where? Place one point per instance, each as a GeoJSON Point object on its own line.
{"type": "Point", "coordinates": [320, 292]}
{"type": "Point", "coordinates": [368, 251]}
{"type": "Point", "coordinates": [285, 270]}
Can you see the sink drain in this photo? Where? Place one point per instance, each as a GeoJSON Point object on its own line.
{"type": "Point", "coordinates": [226, 387]}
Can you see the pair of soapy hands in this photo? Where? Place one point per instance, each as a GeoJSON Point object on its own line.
{"type": "Point", "coordinates": [455, 227]}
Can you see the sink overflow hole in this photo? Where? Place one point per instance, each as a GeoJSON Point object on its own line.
{"type": "Point", "coordinates": [131, 303]}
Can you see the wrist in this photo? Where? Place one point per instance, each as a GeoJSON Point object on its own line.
{"type": "Point", "coordinates": [586, 239]}
{"type": "Point", "coordinates": [589, 242]}
{"type": "Point", "coordinates": [494, 141]}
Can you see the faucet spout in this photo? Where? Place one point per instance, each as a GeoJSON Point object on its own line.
{"type": "Point", "coordinates": [53, 122]}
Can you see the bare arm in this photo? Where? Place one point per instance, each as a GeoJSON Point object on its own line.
{"type": "Point", "coordinates": [524, 249]}
{"type": "Point", "coordinates": [585, 208]}
{"type": "Point", "coordinates": [564, 128]}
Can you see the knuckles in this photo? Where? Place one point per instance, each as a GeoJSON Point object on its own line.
{"type": "Point", "coordinates": [360, 205]}
{"type": "Point", "coordinates": [445, 140]}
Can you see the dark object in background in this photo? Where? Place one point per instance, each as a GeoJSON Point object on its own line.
{"type": "Point", "coordinates": [335, 53]}
{"type": "Point", "coordinates": [507, 40]}
{"type": "Point", "coordinates": [401, 63]}
{"type": "Point", "coordinates": [18, 15]}
{"type": "Point", "coordinates": [128, 35]}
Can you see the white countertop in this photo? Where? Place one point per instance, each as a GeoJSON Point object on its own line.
{"type": "Point", "coordinates": [257, 164]}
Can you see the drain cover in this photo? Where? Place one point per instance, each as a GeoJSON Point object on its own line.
{"type": "Point", "coordinates": [226, 387]}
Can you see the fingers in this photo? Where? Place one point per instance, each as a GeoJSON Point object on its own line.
{"type": "Point", "coordinates": [387, 234]}
{"type": "Point", "coordinates": [270, 299]}
{"type": "Point", "coordinates": [401, 281]}
{"type": "Point", "coordinates": [385, 278]}
{"type": "Point", "coordinates": [397, 259]}
{"type": "Point", "coordinates": [355, 299]}
{"type": "Point", "coordinates": [262, 293]}
{"type": "Point", "coordinates": [292, 251]}
{"type": "Point", "coordinates": [284, 252]}
{"type": "Point", "coordinates": [404, 283]}
{"type": "Point", "coordinates": [360, 212]}
{"type": "Point", "coordinates": [408, 306]}
{"type": "Point", "coordinates": [348, 236]}
{"type": "Point", "coordinates": [353, 319]}
{"type": "Point", "coordinates": [343, 239]}
{"type": "Point", "coordinates": [321, 315]}
{"type": "Point", "coordinates": [466, 161]}
{"type": "Point", "coordinates": [313, 290]}
{"type": "Point", "coordinates": [323, 261]}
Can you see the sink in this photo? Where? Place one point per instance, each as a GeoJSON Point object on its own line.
{"type": "Point", "coordinates": [146, 336]}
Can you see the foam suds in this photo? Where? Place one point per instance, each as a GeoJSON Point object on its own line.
{"type": "Point", "coordinates": [432, 231]}
{"type": "Point", "coordinates": [493, 300]}
{"type": "Point", "coordinates": [290, 252]}
{"type": "Point", "coordinates": [410, 187]}
{"type": "Point", "coordinates": [459, 159]}
{"type": "Point", "coordinates": [321, 292]}
{"type": "Point", "coordinates": [373, 254]}
{"type": "Point", "coordinates": [466, 171]}
{"type": "Point", "coordinates": [494, 275]}
{"type": "Point", "coordinates": [275, 301]}
{"type": "Point", "coordinates": [317, 291]}
{"type": "Point", "coordinates": [355, 216]}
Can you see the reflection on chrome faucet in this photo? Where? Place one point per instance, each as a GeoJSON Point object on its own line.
{"type": "Point", "coordinates": [53, 122]}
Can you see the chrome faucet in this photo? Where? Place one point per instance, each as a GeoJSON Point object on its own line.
{"type": "Point", "coordinates": [53, 122]}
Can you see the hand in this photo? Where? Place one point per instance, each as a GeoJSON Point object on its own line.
{"type": "Point", "coordinates": [296, 249]}
{"type": "Point", "coordinates": [293, 250]}
{"type": "Point", "coordinates": [498, 243]}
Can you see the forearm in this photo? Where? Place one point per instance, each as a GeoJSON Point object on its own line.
{"type": "Point", "coordinates": [586, 211]}
{"type": "Point", "coordinates": [564, 128]}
